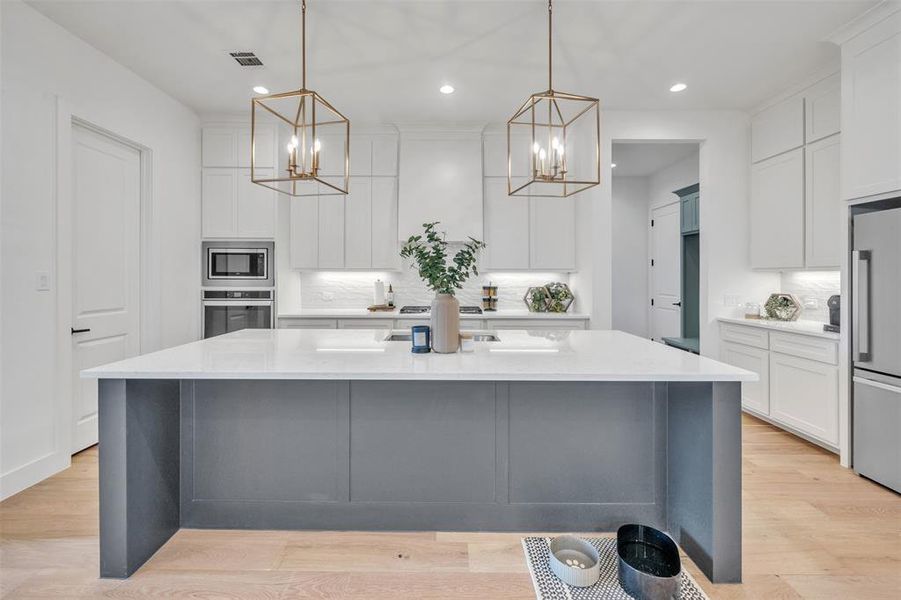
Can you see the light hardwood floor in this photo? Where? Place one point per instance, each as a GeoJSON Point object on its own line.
{"type": "Point", "coordinates": [811, 530]}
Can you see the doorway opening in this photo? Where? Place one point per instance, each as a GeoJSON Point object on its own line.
{"type": "Point", "coordinates": [656, 240]}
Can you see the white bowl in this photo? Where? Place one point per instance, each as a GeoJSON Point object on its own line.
{"type": "Point", "coordinates": [583, 568]}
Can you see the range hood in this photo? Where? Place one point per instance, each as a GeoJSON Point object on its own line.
{"type": "Point", "coordinates": [440, 180]}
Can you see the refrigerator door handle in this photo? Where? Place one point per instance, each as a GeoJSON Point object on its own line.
{"type": "Point", "coordinates": [860, 305]}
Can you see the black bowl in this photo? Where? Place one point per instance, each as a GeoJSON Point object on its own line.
{"type": "Point", "coordinates": [649, 563]}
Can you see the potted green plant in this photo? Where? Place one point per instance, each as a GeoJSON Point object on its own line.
{"type": "Point", "coordinates": [429, 253]}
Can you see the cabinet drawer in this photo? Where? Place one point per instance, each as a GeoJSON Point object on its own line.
{"type": "Point", "coordinates": [805, 346]}
{"type": "Point", "coordinates": [295, 323]}
{"type": "Point", "coordinates": [745, 334]}
{"type": "Point", "coordinates": [365, 323]}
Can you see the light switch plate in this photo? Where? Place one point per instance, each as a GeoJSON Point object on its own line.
{"type": "Point", "coordinates": [730, 300]}
{"type": "Point", "coordinates": [42, 281]}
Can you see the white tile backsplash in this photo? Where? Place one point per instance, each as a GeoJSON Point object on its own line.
{"type": "Point", "coordinates": [342, 289]}
{"type": "Point", "coordinates": [813, 289]}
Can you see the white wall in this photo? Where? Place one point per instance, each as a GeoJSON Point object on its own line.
{"type": "Point", "coordinates": [47, 71]}
{"type": "Point", "coordinates": [724, 174]}
{"type": "Point", "coordinates": [676, 176]}
{"type": "Point", "coordinates": [630, 196]}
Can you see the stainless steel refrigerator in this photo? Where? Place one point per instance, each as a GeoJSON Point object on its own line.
{"type": "Point", "coordinates": [876, 345]}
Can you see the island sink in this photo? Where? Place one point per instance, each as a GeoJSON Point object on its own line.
{"type": "Point", "coordinates": [344, 430]}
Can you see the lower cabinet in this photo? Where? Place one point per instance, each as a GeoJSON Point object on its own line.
{"type": "Point", "coordinates": [798, 386]}
{"type": "Point", "coordinates": [365, 324]}
{"type": "Point", "coordinates": [755, 395]}
{"type": "Point", "coordinates": [299, 323]}
{"type": "Point", "coordinates": [537, 324]}
{"type": "Point", "coordinates": [804, 395]}
{"type": "Point", "coordinates": [465, 324]}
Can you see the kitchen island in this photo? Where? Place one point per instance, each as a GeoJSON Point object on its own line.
{"type": "Point", "coordinates": [341, 429]}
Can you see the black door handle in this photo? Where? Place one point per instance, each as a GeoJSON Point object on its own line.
{"type": "Point", "coordinates": [679, 303]}
{"type": "Point", "coordinates": [74, 331]}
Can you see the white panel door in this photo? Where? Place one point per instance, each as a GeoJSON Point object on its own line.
{"type": "Point", "coordinates": [256, 206]}
{"type": "Point", "coordinates": [106, 233]}
{"type": "Point", "coordinates": [804, 395]}
{"type": "Point", "coordinates": [824, 206]}
{"type": "Point", "coordinates": [331, 232]}
{"type": "Point", "coordinates": [777, 212]}
{"type": "Point", "coordinates": [219, 214]}
{"type": "Point", "coordinates": [755, 395]}
{"type": "Point", "coordinates": [385, 250]}
{"type": "Point", "coordinates": [358, 224]}
{"type": "Point", "coordinates": [506, 227]}
{"type": "Point", "coordinates": [552, 234]}
{"type": "Point", "coordinates": [666, 274]}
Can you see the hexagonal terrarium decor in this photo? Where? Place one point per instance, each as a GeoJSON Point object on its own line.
{"type": "Point", "coordinates": [560, 297]}
{"type": "Point", "coordinates": [537, 298]}
{"type": "Point", "coordinates": [782, 307]}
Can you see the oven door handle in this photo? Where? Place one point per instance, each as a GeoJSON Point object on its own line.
{"type": "Point", "coordinates": [237, 303]}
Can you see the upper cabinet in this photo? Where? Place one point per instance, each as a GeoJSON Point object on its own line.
{"type": "Point", "coordinates": [232, 206]}
{"type": "Point", "coordinates": [795, 212]}
{"type": "Point", "coordinates": [441, 180]}
{"type": "Point", "coordinates": [778, 129]}
{"type": "Point", "coordinates": [871, 108]}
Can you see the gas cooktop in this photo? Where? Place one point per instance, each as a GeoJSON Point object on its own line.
{"type": "Point", "coordinates": [418, 310]}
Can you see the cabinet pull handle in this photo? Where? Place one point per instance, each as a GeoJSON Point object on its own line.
{"type": "Point", "coordinates": [679, 303]}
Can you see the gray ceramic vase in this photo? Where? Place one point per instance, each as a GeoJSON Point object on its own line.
{"type": "Point", "coordinates": [445, 324]}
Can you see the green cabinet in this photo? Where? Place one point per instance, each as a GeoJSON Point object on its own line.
{"type": "Point", "coordinates": [690, 221]}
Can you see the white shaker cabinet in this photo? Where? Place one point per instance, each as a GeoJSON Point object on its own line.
{"type": "Point", "coordinates": [304, 232]}
{"type": "Point", "coordinates": [777, 211]}
{"type": "Point", "coordinates": [218, 202]}
{"type": "Point", "coordinates": [804, 395]}
{"type": "Point", "coordinates": [871, 109]}
{"type": "Point", "coordinates": [823, 205]}
{"type": "Point", "coordinates": [384, 155]}
{"type": "Point", "coordinates": [331, 232]}
{"type": "Point", "coordinates": [822, 109]}
{"type": "Point", "coordinates": [256, 206]}
{"type": "Point", "coordinates": [385, 248]}
{"type": "Point", "coordinates": [777, 129]}
{"type": "Point", "coordinates": [358, 224]}
{"type": "Point", "coordinates": [228, 145]}
{"type": "Point", "coordinates": [552, 234]}
{"type": "Point", "coordinates": [754, 394]}
{"type": "Point", "coordinates": [506, 228]}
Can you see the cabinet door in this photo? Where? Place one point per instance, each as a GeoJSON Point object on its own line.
{"type": "Point", "coordinates": [385, 252]}
{"type": "Point", "coordinates": [305, 232]}
{"type": "Point", "coordinates": [218, 203]}
{"type": "Point", "coordinates": [506, 227]}
{"type": "Point", "coordinates": [358, 224]}
{"type": "Point", "coordinates": [384, 155]}
{"type": "Point", "coordinates": [871, 110]}
{"type": "Point", "coordinates": [824, 207]}
{"type": "Point", "coordinates": [373, 323]}
{"type": "Point", "coordinates": [219, 147]}
{"type": "Point", "coordinates": [804, 396]}
{"type": "Point", "coordinates": [331, 155]}
{"type": "Point", "coordinates": [256, 206]}
{"type": "Point", "coordinates": [755, 395]}
{"type": "Point", "coordinates": [822, 109]}
{"type": "Point", "coordinates": [331, 232]}
{"type": "Point", "coordinates": [777, 129]}
{"type": "Point", "coordinates": [552, 234]}
{"type": "Point", "coordinates": [263, 151]}
{"type": "Point", "coordinates": [777, 212]}
{"type": "Point", "coordinates": [360, 155]}
{"type": "Point", "coordinates": [537, 324]}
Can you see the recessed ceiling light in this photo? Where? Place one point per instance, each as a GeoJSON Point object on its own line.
{"type": "Point", "coordinates": [678, 87]}
{"type": "Point", "coordinates": [446, 89]}
{"type": "Point", "coordinates": [612, 165]}
{"type": "Point", "coordinates": [260, 89]}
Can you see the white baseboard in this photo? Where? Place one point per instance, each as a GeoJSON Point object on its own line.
{"type": "Point", "coordinates": [27, 475]}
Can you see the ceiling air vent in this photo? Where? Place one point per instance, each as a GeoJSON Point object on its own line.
{"type": "Point", "coordinates": [246, 59]}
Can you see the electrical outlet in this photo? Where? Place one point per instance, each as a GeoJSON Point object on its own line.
{"type": "Point", "coordinates": [731, 300]}
{"type": "Point", "coordinates": [42, 281]}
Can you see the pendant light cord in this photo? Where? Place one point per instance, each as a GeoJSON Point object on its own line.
{"type": "Point", "coordinates": [550, 55]}
{"type": "Point", "coordinates": [303, 43]}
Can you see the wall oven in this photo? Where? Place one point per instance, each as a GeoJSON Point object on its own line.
{"type": "Point", "coordinates": [238, 264]}
{"type": "Point", "coordinates": [225, 311]}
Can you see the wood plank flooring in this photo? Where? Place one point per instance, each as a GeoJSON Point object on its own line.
{"type": "Point", "coordinates": [811, 530]}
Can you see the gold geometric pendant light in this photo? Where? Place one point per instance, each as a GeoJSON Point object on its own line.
{"type": "Point", "coordinates": [315, 159]}
{"type": "Point", "coordinates": [553, 141]}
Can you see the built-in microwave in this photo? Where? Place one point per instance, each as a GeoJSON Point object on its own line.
{"type": "Point", "coordinates": [241, 264]}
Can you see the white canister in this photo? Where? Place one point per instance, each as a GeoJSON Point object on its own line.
{"type": "Point", "coordinates": [378, 295]}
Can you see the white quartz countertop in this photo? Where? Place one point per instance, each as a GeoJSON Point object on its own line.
{"type": "Point", "coordinates": [814, 328]}
{"type": "Point", "coordinates": [362, 313]}
{"type": "Point", "coordinates": [356, 354]}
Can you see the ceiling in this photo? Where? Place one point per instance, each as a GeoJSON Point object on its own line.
{"type": "Point", "coordinates": [640, 159]}
{"type": "Point", "coordinates": [384, 60]}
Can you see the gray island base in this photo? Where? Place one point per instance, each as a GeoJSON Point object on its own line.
{"type": "Point", "coordinates": [420, 455]}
